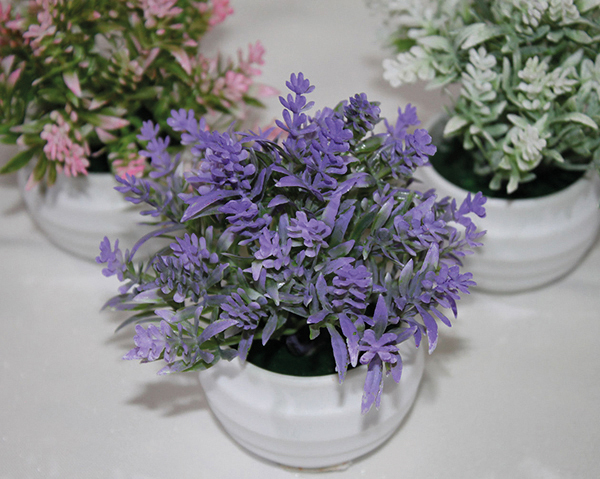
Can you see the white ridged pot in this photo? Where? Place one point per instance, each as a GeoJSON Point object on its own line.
{"type": "Point", "coordinates": [529, 242]}
{"type": "Point", "coordinates": [76, 213]}
{"type": "Point", "coordinates": [308, 422]}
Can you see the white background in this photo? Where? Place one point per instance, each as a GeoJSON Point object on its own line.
{"type": "Point", "coordinates": [513, 390]}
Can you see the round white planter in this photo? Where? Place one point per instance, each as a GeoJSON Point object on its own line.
{"type": "Point", "coordinates": [529, 242]}
{"type": "Point", "coordinates": [308, 422]}
{"type": "Point", "coordinates": [77, 213]}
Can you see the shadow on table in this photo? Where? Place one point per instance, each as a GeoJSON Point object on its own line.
{"type": "Point", "coordinates": [439, 365]}
{"type": "Point", "coordinates": [173, 395]}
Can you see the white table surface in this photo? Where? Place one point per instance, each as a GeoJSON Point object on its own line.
{"type": "Point", "coordinates": [513, 390]}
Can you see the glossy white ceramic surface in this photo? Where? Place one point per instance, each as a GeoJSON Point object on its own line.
{"type": "Point", "coordinates": [308, 422]}
{"type": "Point", "coordinates": [76, 213]}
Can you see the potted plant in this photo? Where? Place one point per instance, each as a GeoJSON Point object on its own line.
{"type": "Point", "coordinates": [77, 81]}
{"type": "Point", "coordinates": [299, 255]}
{"type": "Point", "coordinates": [523, 127]}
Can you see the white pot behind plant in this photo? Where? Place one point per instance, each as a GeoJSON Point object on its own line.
{"type": "Point", "coordinates": [529, 242]}
{"type": "Point", "coordinates": [308, 422]}
{"type": "Point", "coordinates": [76, 213]}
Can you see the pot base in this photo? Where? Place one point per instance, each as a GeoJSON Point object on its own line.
{"type": "Point", "coordinates": [308, 422]}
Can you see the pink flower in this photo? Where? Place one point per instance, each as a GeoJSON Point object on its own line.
{"type": "Point", "coordinates": [154, 9]}
{"type": "Point", "coordinates": [37, 32]}
{"type": "Point", "coordinates": [236, 84]}
{"type": "Point", "coordinates": [220, 11]}
{"type": "Point", "coordinates": [255, 57]}
{"type": "Point", "coordinates": [255, 53]}
{"type": "Point", "coordinates": [60, 147]}
{"type": "Point", "coordinates": [134, 167]}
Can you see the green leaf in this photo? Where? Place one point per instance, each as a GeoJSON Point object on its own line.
{"type": "Point", "coordinates": [384, 214]}
{"type": "Point", "coordinates": [40, 169]}
{"type": "Point", "coordinates": [403, 44]}
{"type": "Point", "coordinates": [556, 36]}
{"type": "Point", "coordinates": [556, 156]}
{"type": "Point", "coordinates": [476, 34]}
{"type": "Point", "coordinates": [441, 81]}
{"type": "Point", "coordinates": [518, 121]}
{"type": "Point", "coordinates": [248, 100]}
{"type": "Point", "coordinates": [18, 161]}
{"type": "Point", "coordinates": [341, 250]}
{"type": "Point", "coordinates": [578, 36]}
{"type": "Point", "coordinates": [454, 124]}
{"type": "Point", "coordinates": [585, 5]}
{"type": "Point", "coordinates": [363, 224]}
{"type": "Point", "coordinates": [436, 42]}
{"type": "Point", "coordinates": [577, 118]}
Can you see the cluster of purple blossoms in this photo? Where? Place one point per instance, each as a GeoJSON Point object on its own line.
{"type": "Point", "coordinates": [317, 229]}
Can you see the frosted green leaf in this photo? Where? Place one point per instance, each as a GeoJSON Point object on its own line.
{"type": "Point", "coordinates": [436, 42]}
{"type": "Point", "coordinates": [518, 121]}
{"type": "Point", "coordinates": [454, 124]}
{"type": "Point", "coordinates": [578, 36]}
{"type": "Point", "coordinates": [585, 5]}
{"type": "Point", "coordinates": [476, 34]}
{"type": "Point", "coordinates": [578, 118]}
{"type": "Point", "coordinates": [556, 36]}
{"type": "Point", "coordinates": [556, 156]}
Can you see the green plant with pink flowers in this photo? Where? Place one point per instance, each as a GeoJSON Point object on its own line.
{"type": "Point", "coordinates": [78, 79]}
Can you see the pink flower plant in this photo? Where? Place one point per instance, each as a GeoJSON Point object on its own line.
{"type": "Point", "coordinates": [114, 65]}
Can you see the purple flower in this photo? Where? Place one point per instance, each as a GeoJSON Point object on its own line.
{"type": "Point", "coordinates": [308, 232]}
{"type": "Point", "coordinates": [240, 213]}
{"type": "Point", "coordinates": [148, 132]}
{"type": "Point", "coordinates": [182, 120]}
{"type": "Point", "coordinates": [362, 114]}
{"type": "Point", "coordinates": [156, 150]}
{"type": "Point", "coordinates": [384, 347]}
{"type": "Point", "coordinates": [193, 253]}
{"type": "Point", "coordinates": [190, 271]}
{"type": "Point", "coordinates": [352, 287]}
{"type": "Point", "coordinates": [420, 146]}
{"type": "Point", "coordinates": [407, 119]}
{"type": "Point", "coordinates": [271, 254]}
{"type": "Point", "coordinates": [445, 285]}
{"type": "Point", "coordinates": [312, 233]}
{"type": "Point", "coordinates": [193, 130]}
{"type": "Point", "coordinates": [224, 164]}
{"type": "Point", "coordinates": [380, 353]}
{"type": "Point", "coordinates": [406, 151]}
{"type": "Point", "coordinates": [150, 343]}
{"type": "Point", "coordinates": [299, 85]}
{"type": "Point", "coordinates": [295, 124]}
{"type": "Point", "coordinates": [113, 259]}
{"type": "Point", "coordinates": [247, 314]}
{"type": "Point", "coordinates": [138, 187]}
{"type": "Point", "coordinates": [470, 205]}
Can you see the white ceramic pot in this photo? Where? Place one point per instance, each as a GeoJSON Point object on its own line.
{"type": "Point", "coordinates": [76, 213]}
{"type": "Point", "coordinates": [308, 422]}
{"type": "Point", "coordinates": [529, 242]}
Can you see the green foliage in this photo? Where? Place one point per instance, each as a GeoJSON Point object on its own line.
{"type": "Point", "coordinates": [529, 74]}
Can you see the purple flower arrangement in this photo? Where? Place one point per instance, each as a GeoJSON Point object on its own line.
{"type": "Point", "coordinates": [313, 225]}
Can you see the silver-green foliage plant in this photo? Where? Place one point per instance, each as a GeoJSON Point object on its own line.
{"type": "Point", "coordinates": [529, 76]}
